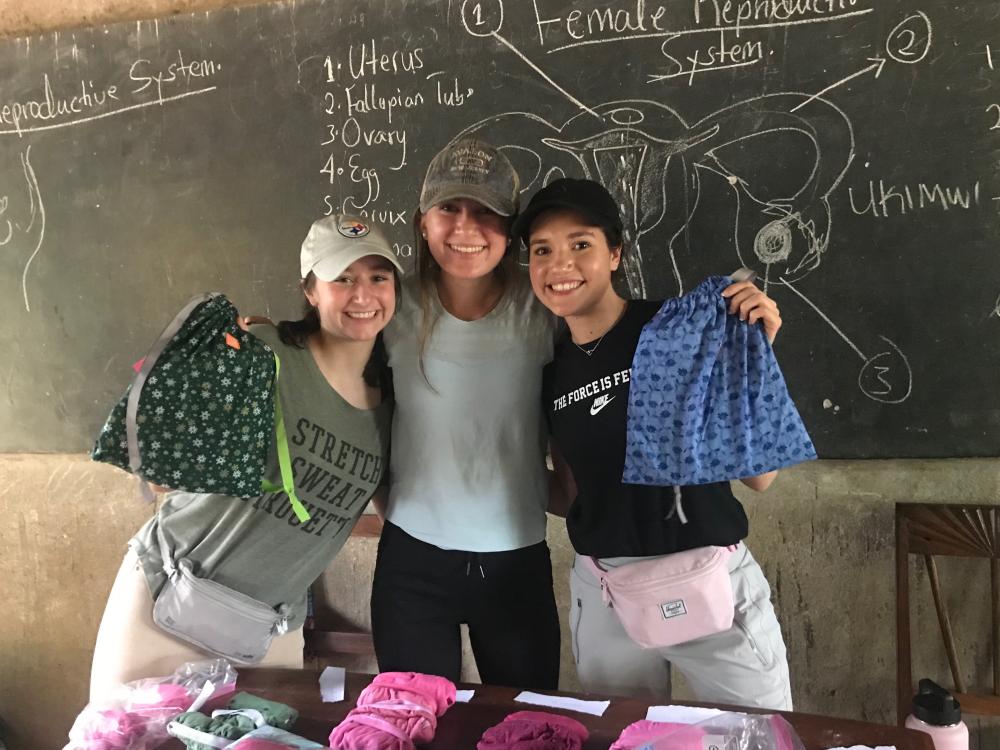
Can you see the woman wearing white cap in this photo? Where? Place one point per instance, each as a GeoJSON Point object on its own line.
{"type": "Point", "coordinates": [464, 538]}
{"type": "Point", "coordinates": [337, 420]}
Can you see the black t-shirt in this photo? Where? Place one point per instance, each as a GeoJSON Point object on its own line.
{"type": "Point", "coordinates": [586, 403]}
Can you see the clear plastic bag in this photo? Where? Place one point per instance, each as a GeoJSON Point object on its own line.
{"type": "Point", "coordinates": [135, 717]}
{"type": "Point", "coordinates": [727, 731]}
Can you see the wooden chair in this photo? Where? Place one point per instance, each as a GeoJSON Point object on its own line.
{"type": "Point", "coordinates": [335, 644]}
{"type": "Point", "coordinates": [950, 531]}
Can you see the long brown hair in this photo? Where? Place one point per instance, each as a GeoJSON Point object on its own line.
{"type": "Point", "coordinates": [428, 275]}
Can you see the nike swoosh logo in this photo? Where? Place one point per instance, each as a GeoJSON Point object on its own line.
{"type": "Point", "coordinates": [598, 406]}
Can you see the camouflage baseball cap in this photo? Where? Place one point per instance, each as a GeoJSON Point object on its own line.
{"type": "Point", "coordinates": [471, 168]}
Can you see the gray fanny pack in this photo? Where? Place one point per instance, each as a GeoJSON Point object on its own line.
{"type": "Point", "coordinates": [213, 617]}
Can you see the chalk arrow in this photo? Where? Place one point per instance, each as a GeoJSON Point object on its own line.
{"type": "Point", "coordinates": [877, 63]}
{"type": "Point", "coordinates": [541, 72]}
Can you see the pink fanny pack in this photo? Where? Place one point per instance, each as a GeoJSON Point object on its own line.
{"type": "Point", "coordinates": [672, 599]}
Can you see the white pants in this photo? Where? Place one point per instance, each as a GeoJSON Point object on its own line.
{"type": "Point", "coordinates": [131, 646]}
{"type": "Point", "coordinates": [745, 665]}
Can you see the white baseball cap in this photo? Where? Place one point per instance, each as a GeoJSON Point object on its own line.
{"type": "Point", "coordinates": [336, 241]}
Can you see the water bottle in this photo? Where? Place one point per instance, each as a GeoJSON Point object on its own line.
{"type": "Point", "coordinates": [937, 713]}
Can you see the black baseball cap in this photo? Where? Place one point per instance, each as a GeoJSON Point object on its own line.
{"type": "Point", "coordinates": [586, 197]}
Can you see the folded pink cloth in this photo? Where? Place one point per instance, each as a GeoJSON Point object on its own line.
{"type": "Point", "coordinates": [437, 693]}
{"type": "Point", "coordinates": [682, 736]}
{"type": "Point", "coordinates": [395, 711]}
{"type": "Point", "coordinates": [534, 730]}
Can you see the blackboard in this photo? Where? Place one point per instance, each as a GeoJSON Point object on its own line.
{"type": "Point", "coordinates": [848, 150]}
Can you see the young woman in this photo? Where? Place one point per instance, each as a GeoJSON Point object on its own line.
{"type": "Point", "coordinates": [338, 422]}
{"type": "Point", "coordinates": [464, 535]}
{"type": "Point", "coordinates": [574, 236]}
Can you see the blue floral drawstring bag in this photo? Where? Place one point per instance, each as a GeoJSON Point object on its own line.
{"type": "Point", "coordinates": [707, 400]}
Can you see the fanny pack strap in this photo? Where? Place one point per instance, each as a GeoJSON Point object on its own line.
{"type": "Point", "coordinates": [284, 456]}
{"type": "Point", "coordinates": [132, 405]}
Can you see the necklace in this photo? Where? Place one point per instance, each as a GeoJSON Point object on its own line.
{"type": "Point", "coordinates": [589, 349]}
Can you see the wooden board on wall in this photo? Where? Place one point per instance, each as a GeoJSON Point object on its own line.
{"type": "Point", "coordinates": [848, 150]}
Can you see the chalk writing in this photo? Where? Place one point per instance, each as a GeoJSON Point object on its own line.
{"type": "Point", "coordinates": [145, 74]}
{"type": "Point", "coordinates": [911, 39]}
{"type": "Point", "coordinates": [994, 109]}
{"type": "Point", "coordinates": [367, 100]}
{"type": "Point", "coordinates": [600, 25]}
{"type": "Point", "coordinates": [724, 55]}
{"type": "Point", "coordinates": [84, 99]}
{"type": "Point", "coordinates": [883, 200]}
{"type": "Point", "coordinates": [366, 60]}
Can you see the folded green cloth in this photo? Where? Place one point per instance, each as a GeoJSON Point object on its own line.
{"type": "Point", "coordinates": [276, 714]}
{"type": "Point", "coordinates": [230, 727]}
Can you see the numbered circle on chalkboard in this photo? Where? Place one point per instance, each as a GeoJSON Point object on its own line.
{"type": "Point", "coordinates": [910, 41]}
{"type": "Point", "coordinates": [887, 377]}
{"type": "Point", "coordinates": [482, 17]}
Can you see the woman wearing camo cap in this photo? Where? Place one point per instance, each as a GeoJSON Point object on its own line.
{"type": "Point", "coordinates": [464, 537]}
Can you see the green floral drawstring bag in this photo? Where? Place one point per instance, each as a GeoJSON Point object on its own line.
{"type": "Point", "coordinates": [200, 412]}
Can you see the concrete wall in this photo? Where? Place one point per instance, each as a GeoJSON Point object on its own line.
{"type": "Point", "coordinates": [824, 534]}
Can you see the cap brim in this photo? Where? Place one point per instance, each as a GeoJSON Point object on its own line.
{"type": "Point", "coordinates": [522, 225]}
{"type": "Point", "coordinates": [472, 192]}
{"type": "Point", "coordinates": [329, 268]}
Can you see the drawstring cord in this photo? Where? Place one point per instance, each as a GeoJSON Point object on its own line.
{"type": "Point", "coordinates": [678, 507]}
{"type": "Point", "coordinates": [468, 565]}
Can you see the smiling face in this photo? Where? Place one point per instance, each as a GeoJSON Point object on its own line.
{"type": "Point", "coordinates": [467, 239]}
{"type": "Point", "coordinates": [570, 264]}
{"type": "Point", "coordinates": [358, 303]}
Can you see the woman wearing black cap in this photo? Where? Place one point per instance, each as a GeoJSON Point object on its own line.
{"type": "Point", "coordinates": [574, 236]}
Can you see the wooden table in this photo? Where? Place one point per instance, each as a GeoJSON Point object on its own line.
{"type": "Point", "coordinates": [464, 724]}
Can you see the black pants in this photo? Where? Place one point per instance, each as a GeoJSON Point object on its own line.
{"type": "Point", "coordinates": [422, 593]}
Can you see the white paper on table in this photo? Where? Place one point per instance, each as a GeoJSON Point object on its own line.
{"type": "Point", "coordinates": [681, 714]}
{"type": "Point", "coordinates": [464, 696]}
{"type": "Point", "coordinates": [594, 708]}
{"type": "Point", "coordinates": [331, 684]}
